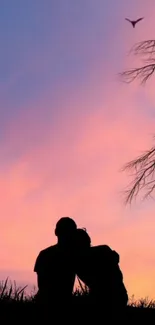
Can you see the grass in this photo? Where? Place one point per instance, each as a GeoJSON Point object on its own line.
{"type": "Point", "coordinates": [16, 305]}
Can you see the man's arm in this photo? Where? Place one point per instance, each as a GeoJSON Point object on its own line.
{"type": "Point", "coordinates": [38, 269]}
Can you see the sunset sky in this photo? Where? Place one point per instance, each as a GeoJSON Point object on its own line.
{"type": "Point", "coordinates": [68, 125]}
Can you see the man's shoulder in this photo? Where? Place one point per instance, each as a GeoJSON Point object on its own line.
{"type": "Point", "coordinates": [48, 250]}
{"type": "Point", "coordinates": [43, 256]}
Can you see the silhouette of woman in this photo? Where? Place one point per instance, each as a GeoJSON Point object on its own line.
{"type": "Point", "coordinates": [98, 268]}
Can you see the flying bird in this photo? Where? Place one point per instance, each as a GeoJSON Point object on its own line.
{"type": "Point", "coordinates": [134, 22]}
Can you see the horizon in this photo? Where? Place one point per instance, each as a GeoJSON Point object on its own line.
{"type": "Point", "coordinates": [68, 125]}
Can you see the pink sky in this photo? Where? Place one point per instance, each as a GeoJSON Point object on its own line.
{"type": "Point", "coordinates": [62, 150]}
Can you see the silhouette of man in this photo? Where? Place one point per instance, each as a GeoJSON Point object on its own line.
{"type": "Point", "coordinates": [54, 265]}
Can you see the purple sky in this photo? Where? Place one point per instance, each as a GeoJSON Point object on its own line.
{"type": "Point", "coordinates": [68, 125]}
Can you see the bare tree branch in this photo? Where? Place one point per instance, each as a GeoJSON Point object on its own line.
{"type": "Point", "coordinates": [144, 175]}
{"type": "Point", "coordinates": [144, 48]}
{"type": "Point", "coordinates": [144, 165]}
{"type": "Point", "coordinates": [144, 72]}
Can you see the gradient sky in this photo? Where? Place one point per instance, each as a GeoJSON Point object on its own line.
{"type": "Point", "coordinates": [67, 127]}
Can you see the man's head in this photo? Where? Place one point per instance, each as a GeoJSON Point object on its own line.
{"type": "Point", "coordinates": [65, 230]}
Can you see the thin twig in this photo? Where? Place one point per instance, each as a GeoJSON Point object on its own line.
{"type": "Point", "coordinates": [143, 177]}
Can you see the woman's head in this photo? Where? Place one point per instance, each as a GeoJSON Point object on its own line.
{"type": "Point", "coordinates": [83, 240]}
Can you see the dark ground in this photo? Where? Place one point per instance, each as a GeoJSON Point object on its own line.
{"type": "Point", "coordinates": [79, 311]}
{"type": "Point", "coordinates": [17, 308]}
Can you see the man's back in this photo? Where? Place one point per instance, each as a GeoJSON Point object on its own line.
{"type": "Point", "coordinates": [56, 273]}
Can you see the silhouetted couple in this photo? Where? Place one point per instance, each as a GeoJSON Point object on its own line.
{"type": "Point", "coordinates": [97, 266]}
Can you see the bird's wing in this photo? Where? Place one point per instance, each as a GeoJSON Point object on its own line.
{"type": "Point", "coordinates": [128, 20]}
{"type": "Point", "coordinates": [139, 19]}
